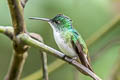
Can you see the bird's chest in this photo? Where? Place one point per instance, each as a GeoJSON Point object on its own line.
{"type": "Point", "coordinates": [63, 44]}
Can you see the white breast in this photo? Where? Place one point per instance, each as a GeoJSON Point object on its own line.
{"type": "Point", "coordinates": [65, 48]}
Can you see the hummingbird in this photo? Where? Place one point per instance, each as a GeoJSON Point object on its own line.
{"type": "Point", "coordinates": [68, 39]}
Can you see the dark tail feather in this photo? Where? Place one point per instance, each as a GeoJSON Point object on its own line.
{"type": "Point", "coordinates": [86, 65]}
{"type": "Point", "coordinates": [89, 66]}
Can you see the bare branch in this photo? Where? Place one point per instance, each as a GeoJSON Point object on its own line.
{"type": "Point", "coordinates": [20, 50]}
{"type": "Point", "coordinates": [43, 55]}
{"type": "Point", "coordinates": [44, 65]}
{"type": "Point", "coordinates": [34, 43]}
{"type": "Point", "coordinates": [44, 62]}
{"type": "Point", "coordinates": [16, 11]}
{"type": "Point", "coordinates": [7, 30]}
{"type": "Point", "coordinates": [16, 66]}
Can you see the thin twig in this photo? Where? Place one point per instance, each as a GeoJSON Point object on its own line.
{"type": "Point", "coordinates": [23, 3]}
{"type": "Point", "coordinates": [43, 55]}
{"type": "Point", "coordinates": [44, 65]}
{"type": "Point", "coordinates": [34, 43]}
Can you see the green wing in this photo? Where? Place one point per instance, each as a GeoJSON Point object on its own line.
{"type": "Point", "coordinates": [80, 47]}
{"type": "Point", "coordinates": [78, 44]}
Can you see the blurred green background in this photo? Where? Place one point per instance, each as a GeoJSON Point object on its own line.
{"type": "Point", "coordinates": [88, 17]}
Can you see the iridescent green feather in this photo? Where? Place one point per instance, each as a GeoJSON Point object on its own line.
{"type": "Point", "coordinates": [73, 35]}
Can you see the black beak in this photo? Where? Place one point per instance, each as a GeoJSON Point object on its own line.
{"type": "Point", "coordinates": [43, 19]}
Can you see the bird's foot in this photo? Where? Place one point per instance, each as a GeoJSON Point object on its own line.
{"type": "Point", "coordinates": [75, 58]}
{"type": "Point", "coordinates": [70, 59]}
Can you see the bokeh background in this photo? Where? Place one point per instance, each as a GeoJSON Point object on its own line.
{"type": "Point", "coordinates": [90, 18]}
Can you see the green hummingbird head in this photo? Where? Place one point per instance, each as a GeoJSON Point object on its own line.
{"type": "Point", "coordinates": [60, 22]}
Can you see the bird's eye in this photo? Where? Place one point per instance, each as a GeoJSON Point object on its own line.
{"type": "Point", "coordinates": [70, 20]}
{"type": "Point", "coordinates": [57, 22]}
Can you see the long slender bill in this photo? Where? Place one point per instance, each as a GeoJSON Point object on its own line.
{"type": "Point", "coordinates": [43, 19]}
